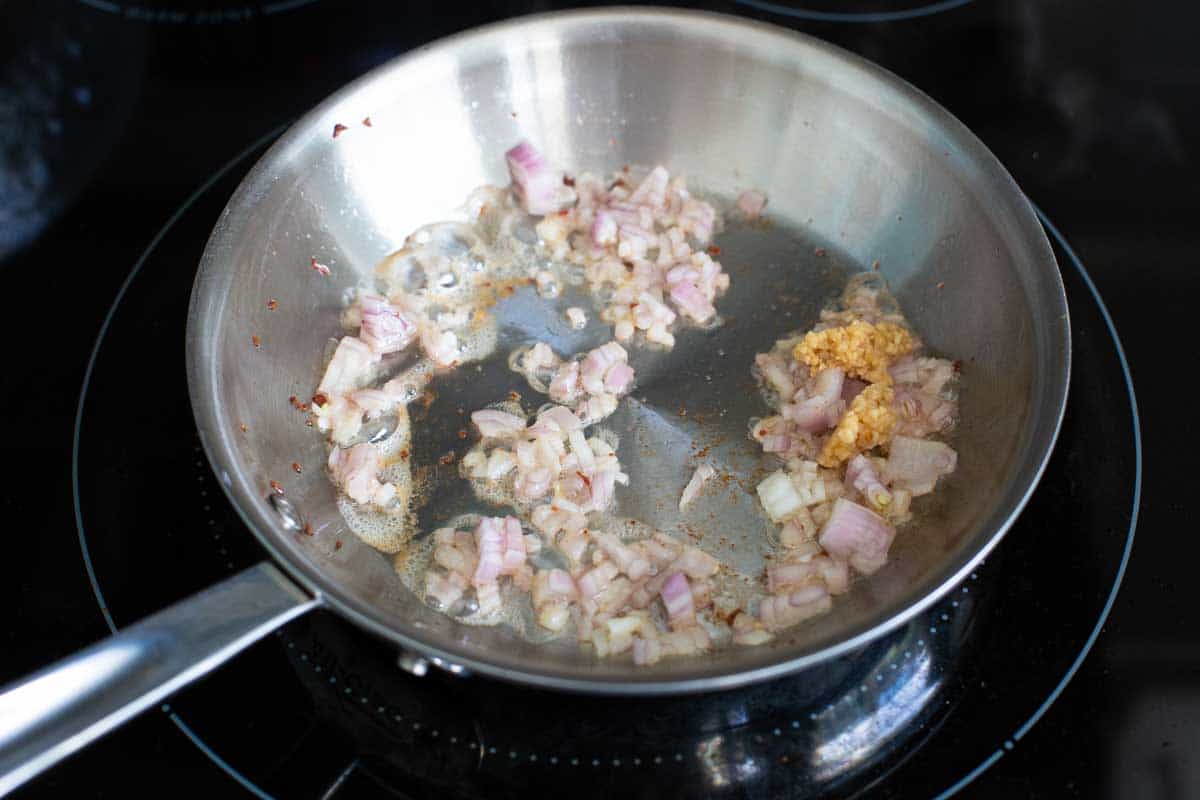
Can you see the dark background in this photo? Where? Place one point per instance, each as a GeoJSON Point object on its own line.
{"type": "Point", "coordinates": [112, 114]}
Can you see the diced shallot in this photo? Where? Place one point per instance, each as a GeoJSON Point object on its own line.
{"type": "Point", "coordinates": [702, 474]}
{"type": "Point", "coordinates": [564, 386]}
{"type": "Point", "coordinates": [860, 473]}
{"type": "Point", "coordinates": [821, 410]}
{"type": "Point", "coordinates": [356, 471]}
{"type": "Point", "coordinates": [385, 328]}
{"type": "Point", "coordinates": [626, 558]}
{"type": "Point", "coordinates": [350, 365]}
{"type": "Point", "coordinates": [596, 580]}
{"type": "Point", "coordinates": [820, 570]}
{"type": "Point", "coordinates": [677, 597]}
{"type": "Point", "coordinates": [778, 496]}
{"type": "Point", "coordinates": [539, 187]}
{"type": "Point", "coordinates": [691, 302]}
{"type": "Point", "coordinates": [619, 379]}
{"type": "Point", "coordinates": [514, 545]}
{"type": "Point", "coordinates": [490, 542]}
{"type": "Point", "coordinates": [597, 363]}
{"type": "Point", "coordinates": [576, 317]}
{"type": "Point", "coordinates": [445, 589]}
{"type": "Point", "coordinates": [916, 464]}
{"type": "Point", "coordinates": [751, 203]}
{"type": "Point", "coordinates": [495, 424]}
{"type": "Point", "coordinates": [857, 535]}
{"type": "Point", "coordinates": [785, 610]}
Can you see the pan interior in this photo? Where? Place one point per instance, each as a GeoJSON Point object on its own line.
{"type": "Point", "coordinates": [853, 162]}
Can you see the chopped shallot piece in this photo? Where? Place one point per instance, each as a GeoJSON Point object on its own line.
{"type": "Point", "coordinates": [441, 346]}
{"type": "Point", "coordinates": [351, 364]}
{"type": "Point", "coordinates": [790, 576]}
{"type": "Point", "coordinates": [688, 641]}
{"type": "Point", "coordinates": [597, 363]}
{"type": "Point", "coordinates": [779, 497]}
{"type": "Point", "coordinates": [751, 203]}
{"type": "Point", "coordinates": [860, 473]}
{"type": "Point", "coordinates": [385, 328]}
{"type": "Point", "coordinates": [488, 597]}
{"type": "Point", "coordinates": [514, 545]}
{"type": "Point", "coordinates": [626, 558]}
{"type": "Point", "coordinates": [373, 402]}
{"type": "Point", "coordinates": [576, 317]}
{"type": "Point", "coordinates": [356, 470]}
{"type": "Point", "coordinates": [702, 474]}
{"type": "Point", "coordinates": [857, 535]}
{"type": "Point", "coordinates": [821, 410]}
{"type": "Point", "coordinates": [785, 610]}
{"type": "Point", "coordinates": [799, 530]}
{"type": "Point", "coordinates": [539, 187]}
{"type": "Point", "coordinates": [596, 580]}
{"type": "Point", "coordinates": [916, 464]}
{"type": "Point", "coordinates": [445, 589]}
{"type": "Point", "coordinates": [497, 424]}
{"type": "Point", "coordinates": [564, 387]}
{"type": "Point", "coordinates": [748, 630]}
{"type": "Point", "coordinates": [490, 542]}
{"type": "Point", "coordinates": [677, 597]}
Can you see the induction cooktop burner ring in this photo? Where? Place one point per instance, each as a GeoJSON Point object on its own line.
{"type": "Point", "coordinates": [241, 12]}
{"type": "Point", "coordinates": [242, 779]}
{"type": "Point", "coordinates": [814, 15]}
{"type": "Point", "coordinates": [1010, 743]}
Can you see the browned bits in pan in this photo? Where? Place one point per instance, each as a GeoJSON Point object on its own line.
{"type": "Point", "coordinates": [257, 342]}
{"type": "Point", "coordinates": [320, 268]}
{"type": "Point", "coordinates": [308, 529]}
{"type": "Point", "coordinates": [568, 180]}
{"type": "Point", "coordinates": [243, 427]}
{"type": "Point", "coordinates": [319, 399]}
{"type": "Point", "coordinates": [514, 396]}
{"type": "Point", "coordinates": [272, 304]}
{"type": "Point", "coordinates": [277, 487]}
{"type": "Point", "coordinates": [337, 130]}
{"type": "Point", "coordinates": [404, 455]}
{"type": "Point", "coordinates": [296, 467]}
{"type": "Point", "coordinates": [941, 284]}
{"type": "Point", "coordinates": [447, 459]}
{"type": "Point", "coordinates": [462, 433]}
{"type": "Point", "coordinates": [819, 252]}
{"type": "Point", "coordinates": [337, 545]}
{"type": "Point", "coordinates": [713, 250]}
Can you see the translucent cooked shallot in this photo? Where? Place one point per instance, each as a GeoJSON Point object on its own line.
{"type": "Point", "coordinates": [857, 414]}
{"type": "Point", "coordinates": [851, 387]}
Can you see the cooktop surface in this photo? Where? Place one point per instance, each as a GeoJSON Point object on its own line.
{"type": "Point", "coordinates": [127, 127]}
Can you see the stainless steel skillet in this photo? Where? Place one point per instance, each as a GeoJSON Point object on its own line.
{"type": "Point", "coordinates": [855, 162]}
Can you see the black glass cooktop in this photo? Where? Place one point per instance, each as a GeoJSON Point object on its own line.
{"type": "Point", "coordinates": [125, 127]}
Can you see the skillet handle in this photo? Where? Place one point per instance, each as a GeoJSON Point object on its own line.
{"type": "Point", "coordinates": [67, 705]}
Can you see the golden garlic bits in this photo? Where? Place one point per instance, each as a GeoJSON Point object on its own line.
{"type": "Point", "coordinates": [861, 349]}
{"type": "Point", "coordinates": [868, 422]}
